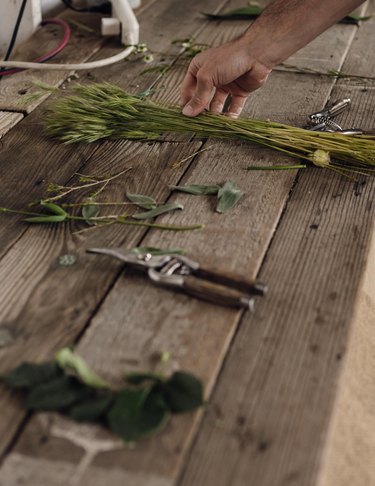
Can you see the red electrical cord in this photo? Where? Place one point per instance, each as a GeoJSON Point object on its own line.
{"type": "Point", "coordinates": [50, 55]}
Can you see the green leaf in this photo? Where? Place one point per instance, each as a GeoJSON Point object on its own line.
{"type": "Point", "coordinates": [166, 208]}
{"type": "Point", "coordinates": [158, 251]}
{"type": "Point", "coordinates": [28, 375]}
{"type": "Point", "coordinates": [183, 392]}
{"type": "Point", "coordinates": [197, 189]}
{"type": "Point", "coordinates": [137, 413]}
{"type": "Point", "coordinates": [46, 219]}
{"type": "Point", "coordinates": [57, 395]}
{"type": "Point", "coordinates": [142, 201]}
{"type": "Point", "coordinates": [228, 196]}
{"type": "Point", "coordinates": [250, 12]}
{"type": "Point", "coordinates": [54, 208]}
{"type": "Point", "coordinates": [139, 378]}
{"type": "Point", "coordinates": [71, 362]}
{"type": "Point", "coordinates": [91, 410]}
{"type": "Point", "coordinates": [90, 211]}
{"type": "Point", "coordinates": [354, 19]}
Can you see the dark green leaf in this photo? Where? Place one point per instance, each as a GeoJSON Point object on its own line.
{"type": "Point", "coordinates": [354, 19]}
{"type": "Point", "coordinates": [46, 219]}
{"type": "Point", "coordinates": [136, 413]}
{"type": "Point", "coordinates": [139, 378]}
{"type": "Point", "coordinates": [197, 189]}
{"type": "Point", "coordinates": [90, 211]}
{"type": "Point", "coordinates": [57, 395]}
{"type": "Point", "coordinates": [228, 196]}
{"type": "Point", "coordinates": [71, 362]}
{"type": "Point", "coordinates": [158, 251]}
{"type": "Point", "coordinates": [158, 211]}
{"type": "Point", "coordinates": [142, 201]}
{"type": "Point", "coordinates": [250, 12]}
{"type": "Point", "coordinates": [92, 409]}
{"type": "Point", "coordinates": [54, 208]}
{"type": "Point", "coordinates": [28, 375]}
{"type": "Point", "coordinates": [183, 392]}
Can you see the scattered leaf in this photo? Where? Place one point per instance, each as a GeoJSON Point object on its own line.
{"type": "Point", "coordinates": [137, 413]}
{"type": "Point", "coordinates": [90, 211]}
{"type": "Point", "coordinates": [183, 392]}
{"type": "Point", "coordinates": [166, 208]}
{"type": "Point", "coordinates": [71, 362]}
{"type": "Point", "coordinates": [228, 196]}
{"type": "Point", "coordinates": [140, 378]}
{"type": "Point", "coordinates": [142, 201]}
{"type": "Point", "coordinates": [54, 208]}
{"type": "Point", "coordinates": [46, 219]}
{"type": "Point", "coordinates": [197, 189]}
{"type": "Point", "coordinates": [91, 410]}
{"type": "Point", "coordinates": [57, 395]}
{"type": "Point", "coordinates": [28, 375]}
{"type": "Point", "coordinates": [67, 260]}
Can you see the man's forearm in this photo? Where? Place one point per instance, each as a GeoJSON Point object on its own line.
{"type": "Point", "coordinates": [288, 25]}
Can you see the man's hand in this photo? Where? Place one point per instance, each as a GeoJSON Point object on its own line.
{"type": "Point", "coordinates": [215, 74]}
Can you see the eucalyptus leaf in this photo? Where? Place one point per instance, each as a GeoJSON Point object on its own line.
{"type": "Point", "coordinates": [28, 375]}
{"type": "Point", "coordinates": [166, 208]}
{"type": "Point", "coordinates": [90, 211]}
{"type": "Point", "coordinates": [91, 410]}
{"type": "Point", "coordinates": [57, 395]}
{"type": "Point", "coordinates": [54, 208]}
{"type": "Point", "coordinates": [137, 413]}
{"type": "Point", "coordinates": [183, 392]}
{"type": "Point", "coordinates": [145, 202]}
{"type": "Point", "coordinates": [228, 196]}
{"type": "Point", "coordinates": [140, 378]}
{"type": "Point", "coordinates": [46, 219]}
{"type": "Point", "coordinates": [197, 189]}
{"type": "Point", "coordinates": [71, 362]}
{"type": "Point", "coordinates": [142, 250]}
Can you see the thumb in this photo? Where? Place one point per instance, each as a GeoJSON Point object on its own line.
{"type": "Point", "coordinates": [201, 96]}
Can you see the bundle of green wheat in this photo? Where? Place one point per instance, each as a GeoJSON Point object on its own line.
{"type": "Point", "coordinates": [103, 111]}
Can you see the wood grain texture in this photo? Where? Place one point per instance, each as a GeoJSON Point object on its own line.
{"type": "Point", "coordinates": [52, 161]}
{"type": "Point", "coordinates": [286, 359]}
{"type": "Point", "coordinates": [8, 120]}
{"type": "Point", "coordinates": [136, 321]}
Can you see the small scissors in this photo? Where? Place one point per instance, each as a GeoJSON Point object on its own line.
{"type": "Point", "coordinates": [182, 273]}
{"type": "Point", "coordinates": [322, 121]}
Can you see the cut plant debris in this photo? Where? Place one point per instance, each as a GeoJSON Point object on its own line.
{"type": "Point", "coordinates": [253, 11]}
{"type": "Point", "coordinates": [227, 195]}
{"type": "Point", "coordinates": [139, 408]}
{"type": "Point", "coordinates": [104, 111]}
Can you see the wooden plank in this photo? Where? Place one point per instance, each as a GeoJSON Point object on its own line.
{"type": "Point", "coordinates": [17, 191]}
{"type": "Point", "coordinates": [349, 457]}
{"type": "Point", "coordinates": [270, 413]}
{"type": "Point", "coordinates": [166, 471]}
{"type": "Point", "coordinates": [8, 120]}
{"type": "Point", "coordinates": [14, 88]}
{"type": "Point", "coordinates": [184, 326]}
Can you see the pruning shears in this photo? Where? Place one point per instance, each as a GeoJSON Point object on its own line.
{"type": "Point", "coordinates": [322, 121]}
{"type": "Point", "coordinates": [179, 272]}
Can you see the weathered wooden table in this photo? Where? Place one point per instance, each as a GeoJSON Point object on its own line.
{"type": "Point", "coordinates": [291, 387]}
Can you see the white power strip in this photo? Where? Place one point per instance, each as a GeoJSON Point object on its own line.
{"type": "Point", "coordinates": [8, 15]}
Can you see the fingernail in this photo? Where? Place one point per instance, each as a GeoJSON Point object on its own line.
{"type": "Point", "coordinates": [188, 110]}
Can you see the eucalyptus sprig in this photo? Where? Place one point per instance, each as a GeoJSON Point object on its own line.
{"type": "Point", "coordinates": [140, 407]}
{"type": "Point", "coordinates": [57, 214]}
{"type": "Point", "coordinates": [104, 111]}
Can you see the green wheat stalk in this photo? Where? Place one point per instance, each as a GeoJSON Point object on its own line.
{"type": "Point", "coordinates": [104, 111]}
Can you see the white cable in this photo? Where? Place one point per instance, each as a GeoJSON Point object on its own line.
{"type": "Point", "coordinates": [69, 67]}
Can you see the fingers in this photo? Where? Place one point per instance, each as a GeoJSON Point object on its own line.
{"type": "Point", "coordinates": [201, 96]}
{"type": "Point", "coordinates": [236, 106]}
{"type": "Point", "coordinates": [218, 101]}
{"type": "Point", "coordinates": [187, 88]}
